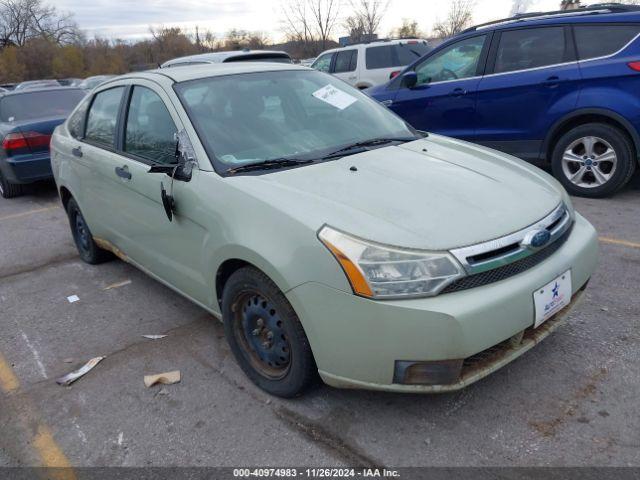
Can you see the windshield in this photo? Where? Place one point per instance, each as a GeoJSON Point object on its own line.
{"type": "Point", "coordinates": [32, 105]}
{"type": "Point", "coordinates": [256, 117]}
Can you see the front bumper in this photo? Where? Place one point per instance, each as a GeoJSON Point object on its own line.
{"type": "Point", "coordinates": [356, 341]}
{"type": "Point", "coordinates": [27, 168]}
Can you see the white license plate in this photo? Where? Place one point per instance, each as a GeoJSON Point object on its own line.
{"type": "Point", "coordinates": [552, 297]}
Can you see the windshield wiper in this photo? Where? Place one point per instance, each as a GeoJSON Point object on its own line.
{"type": "Point", "coordinates": [367, 143]}
{"type": "Point", "coordinates": [268, 165]}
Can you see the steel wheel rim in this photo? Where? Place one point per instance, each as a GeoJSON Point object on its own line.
{"type": "Point", "coordinates": [82, 232]}
{"type": "Point", "coordinates": [259, 330]}
{"type": "Point", "coordinates": [589, 162]}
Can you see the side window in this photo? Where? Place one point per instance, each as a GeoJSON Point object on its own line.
{"type": "Point", "coordinates": [380, 57]}
{"type": "Point", "coordinates": [150, 131]}
{"type": "Point", "coordinates": [75, 124]}
{"type": "Point", "coordinates": [602, 40]}
{"type": "Point", "coordinates": [530, 48]}
{"type": "Point", "coordinates": [323, 62]}
{"type": "Point", "coordinates": [103, 116]}
{"type": "Point", "coordinates": [344, 62]}
{"type": "Point", "coordinates": [454, 62]}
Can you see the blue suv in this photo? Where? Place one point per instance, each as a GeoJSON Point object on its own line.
{"type": "Point", "coordinates": [559, 89]}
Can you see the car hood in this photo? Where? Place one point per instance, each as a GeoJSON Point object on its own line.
{"type": "Point", "coordinates": [437, 193]}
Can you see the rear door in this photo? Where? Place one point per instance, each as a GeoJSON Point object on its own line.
{"type": "Point", "coordinates": [444, 98]}
{"type": "Point", "coordinates": [344, 66]}
{"type": "Point", "coordinates": [532, 80]}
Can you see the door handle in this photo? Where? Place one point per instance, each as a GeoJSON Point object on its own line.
{"type": "Point", "coordinates": [77, 152]}
{"type": "Point", "coordinates": [123, 172]}
{"type": "Point", "coordinates": [552, 81]}
{"type": "Point", "coordinates": [458, 92]}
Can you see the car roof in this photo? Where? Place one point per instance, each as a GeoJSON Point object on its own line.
{"type": "Point", "coordinates": [375, 43]}
{"type": "Point", "coordinates": [603, 13]}
{"type": "Point", "coordinates": [220, 57]}
{"type": "Point", "coordinates": [193, 72]}
{"type": "Point", "coordinates": [13, 93]}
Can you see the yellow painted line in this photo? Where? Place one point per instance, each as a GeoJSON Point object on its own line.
{"type": "Point", "coordinates": [51, 455]}
{"type": "Point", "coordinates": [8, 380]}
{"type": "Point", "coordinates": [615, 241]}
{"type": "Point", "coordinates": [27, 213]}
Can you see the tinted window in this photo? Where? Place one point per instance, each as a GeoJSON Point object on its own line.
{"type": "Point", "coordinates": [397, 55]}
{"type": "Point", "coordinates": [102, 118]}
{"type": "Point", "coordinates": [27, 106]}
{"type": "Point", "coordinates": [454, 62]}
{"type": "Point", "coordinates": [530, 48]}
{"type": "Point", "coordinates": [323, 62]}
{"type": "Point", "coordinates": [344, 61]}
{"type": "Point", "coordinates": [379, 57]}
{"type": "Point", "coordinates": [601, 40]}
{"type": "Point", "coordinates": [150, 131]}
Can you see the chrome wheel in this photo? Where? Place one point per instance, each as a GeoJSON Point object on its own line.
{"type": "Point", "coordinates": [589, 162]}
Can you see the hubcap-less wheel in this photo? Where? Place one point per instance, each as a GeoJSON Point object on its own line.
{"type": "Point", "coordinates": [259, 329]}
{"type": "Point", "coordinates": [82, 233]}
{"type": "Point", "coordinates": [589, 162]}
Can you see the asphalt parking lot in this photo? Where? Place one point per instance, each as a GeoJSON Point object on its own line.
{"type": "Point", "coordinates": [571, 401]}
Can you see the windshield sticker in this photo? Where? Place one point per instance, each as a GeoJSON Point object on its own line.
{"type": "Point", "coordinates": [331, 95]}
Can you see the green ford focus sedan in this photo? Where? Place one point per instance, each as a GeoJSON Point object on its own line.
{"type": "Point", "coordinates": [330, 237]}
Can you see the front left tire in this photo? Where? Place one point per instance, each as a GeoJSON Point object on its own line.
{"type": "Point", "coordinates": [265, 334]}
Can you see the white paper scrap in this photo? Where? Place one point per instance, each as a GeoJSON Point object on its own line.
{"type": "Point", "coordinates": [73, 298]}
{"type": "Point", "coordinates": [334, 96]}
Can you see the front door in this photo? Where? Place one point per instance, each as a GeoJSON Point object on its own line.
{"type": "Point", "coordinates": [444, 98]}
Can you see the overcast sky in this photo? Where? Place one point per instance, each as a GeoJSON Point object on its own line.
{"type": "Point", "coordinates": [127, 19]}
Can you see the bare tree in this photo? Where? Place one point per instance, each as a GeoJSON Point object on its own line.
{"type": "Point", "coordinates": [408, 29]}
{"type": "Point", "coordinates": [459, 17]}
{"type": "Point", "coordinates": [367, 15]}
{"type": "Point", "coordinates": [310, 21]}
{"type": "Point", "coordinates": [23, 20]}
{"type": "Point", "coordinates": [520, 6]}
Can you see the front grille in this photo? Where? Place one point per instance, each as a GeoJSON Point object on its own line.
{"type": "Point", "coordinates": [506, 271]}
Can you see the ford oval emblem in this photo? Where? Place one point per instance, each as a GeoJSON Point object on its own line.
{"type": "Point", "coordinates": [536, 239]}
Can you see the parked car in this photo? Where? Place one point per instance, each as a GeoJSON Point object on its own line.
{"type": "Point", "coordinates": [328, 235]}
{"type": "Point", "coordinates": [372, 63]}
{"type": "Point", "coordinates": [233, 56]}
{"type": "Point", "coordinates": [560, 89]}
{"type": "Point", "coordinates": [37, 84]}
{"type": "Point", "coordinates": [8, 86]}
{"type": "Point", "coordinates": [90, 83]}
{"type": "Point", "coordinates": [70, 82]}
{"type": "Point", "coordinates": [27, 119]}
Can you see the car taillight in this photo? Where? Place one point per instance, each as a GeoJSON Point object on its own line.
{"type": "Point", "coordinates": [634, 66]}
{"type": "Point", "coordinates": [31, 140]}
{"type": "Point", "coordinates": [394, 74]}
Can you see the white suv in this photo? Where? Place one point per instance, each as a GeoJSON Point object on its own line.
{"type": "Point", "coordinates": [367, 64]}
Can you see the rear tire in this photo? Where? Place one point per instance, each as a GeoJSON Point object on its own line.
{"type": "Point", "coordinates": [89, 251]}
{"type": "Point", "coordinates": [265, 334]}
{"type": "Point", "coordinates": [8, 189]}
{"type": "Point", "coordinates": [594, 160]}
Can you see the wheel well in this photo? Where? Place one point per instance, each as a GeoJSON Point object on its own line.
{"type": "Point", "coordinates": [65, 196]}
{"type": "Point", "coordinates": [228, 268]}
{"type": "Point", "coordinates": [583, 120]}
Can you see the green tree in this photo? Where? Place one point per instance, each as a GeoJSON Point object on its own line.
{"type": "Point", "coordinates": [11, 68]}
{"type": "Point", "coordinates": [68, 61]}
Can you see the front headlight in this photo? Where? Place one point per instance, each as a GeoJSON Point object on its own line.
{"type": "Point", "coordinates": [379, 271]}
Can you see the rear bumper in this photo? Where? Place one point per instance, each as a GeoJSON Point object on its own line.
{"type": "Point", "coordinates": [26, 168]}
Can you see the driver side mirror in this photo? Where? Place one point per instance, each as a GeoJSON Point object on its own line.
{"type": "Point", "coordinates": [409, 79]}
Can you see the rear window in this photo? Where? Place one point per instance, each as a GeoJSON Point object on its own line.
{"type": "Point", "coordinates": [398, 55]}
{"type": "Point", "coordinates": [530, 48]}
{"type": "Point", "coordinates": [32, 105]}
{"type": "Point", "coordinates": [602, 40]}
